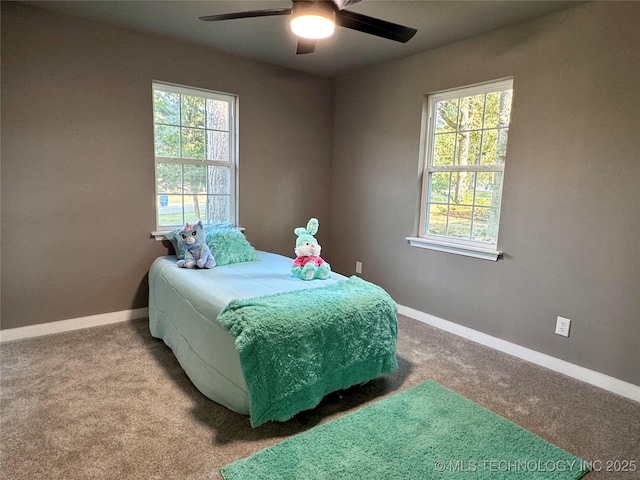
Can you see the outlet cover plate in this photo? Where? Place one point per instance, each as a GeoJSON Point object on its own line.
{"type": "Point", "coordinates": [562, 326]}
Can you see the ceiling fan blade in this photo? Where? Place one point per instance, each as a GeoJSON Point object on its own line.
{"type": "Point", "coordinates": [344, 3]}
{"type": "Point", "coordinates": [250, 14]}
{"type": "Point", "coordinates": [374, 26]}
{"type": "Point", "coordinates": [305, 45]}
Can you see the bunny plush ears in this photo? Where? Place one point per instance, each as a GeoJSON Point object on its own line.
{"type": "Point", "coordinates": [312, 228]}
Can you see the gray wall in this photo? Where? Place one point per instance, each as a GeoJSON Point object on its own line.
{"type": "Point", "coordinates": [77, 158]}
{"type": "Point", "coordinates": [570, 217]}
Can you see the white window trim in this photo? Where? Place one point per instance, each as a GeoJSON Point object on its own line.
{"type": "Point", "coordinates": [159, 234]}
{"type": "Point", "coordinates": [485, 251]}
{"type": "Point", "coordinates": [450, 246]}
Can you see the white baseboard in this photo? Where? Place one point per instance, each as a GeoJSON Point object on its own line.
{"type": "Point", "coordinates": [598, 379]}
{"type": "Point", "coordinates": [29, 331]}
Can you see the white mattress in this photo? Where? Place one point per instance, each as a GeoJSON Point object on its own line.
{"type": "Point", "coordinates": [184, 305]}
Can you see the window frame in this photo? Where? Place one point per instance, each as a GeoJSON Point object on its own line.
{"type": "Point", "coordinates": [232, 164]}
{"type": "Point", "coordinates": [444, 243]}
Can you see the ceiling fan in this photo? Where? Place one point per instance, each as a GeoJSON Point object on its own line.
{"type": "Point", "coordinates": [312, 20]}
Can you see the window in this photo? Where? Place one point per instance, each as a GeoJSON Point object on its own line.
{"type": "Point", "coordinates": [465, 145]}
{"type": "Point", "coordinates": [195, 156]}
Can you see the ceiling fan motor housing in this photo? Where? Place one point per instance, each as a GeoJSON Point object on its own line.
{"type": "Point", "coordinates": [313, 20]}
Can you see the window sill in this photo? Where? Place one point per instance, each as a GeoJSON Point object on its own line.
{"type": "Point", "coordinates": [456, 248]}
{"type": "Point", "coordinates": [162, 235]}
{"type": "Point", "coordinates": [159, 236]}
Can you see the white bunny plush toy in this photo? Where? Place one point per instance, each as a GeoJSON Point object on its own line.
{"type": "Point", "coordinates": [308, 264]}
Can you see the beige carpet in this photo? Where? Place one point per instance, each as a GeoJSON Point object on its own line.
{"type": "Point", "coordinates": [112, 403]}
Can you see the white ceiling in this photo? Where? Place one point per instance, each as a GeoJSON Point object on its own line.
{"type": "Point", "coordinates": [269, 39]}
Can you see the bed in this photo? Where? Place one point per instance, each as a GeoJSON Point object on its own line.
{"type": "Point", "coordinates": [327, 334]}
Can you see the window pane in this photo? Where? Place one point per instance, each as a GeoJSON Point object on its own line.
{"type": "Point", "coordinates": [195, 208]}
{"type": "Point", "coordinates": [492, 225]}
{"type": "Point", "coordinates": [468, 151]}
{"type": "Point", "coordinates": [217, 115]}
{"type": "Point", "coordinates": [195, 179]}
{"type": "Point", "coordinates": [501, 153]}
{"type": "Point", "coordinates": [492, 110]}
{"type": "Point", "coordinates": [462, 185]}
{"type": "Point", "coordinates": [471, 112]}
{"type": "Point", "coordinates": [218, 208]}
{"type": "Point", "coordinates": [485, 225]}
{"type": "Point", "coordinates": [167, 141]}
{"type": "Point", "coordinates": [480, 223]}
{"type": "Point", "coordinates": [484, 194]}
{"type": "Point", "coordinates": [192, 143]}
{"type": "Point", "coordinates": [219, 180]}
{"type": "Point", "coordinates": [506, 97]}
{"type": "Point", "coordinates": [437, 219]}
{"type": "Point", "coordinates": [166, 107]}
{"type": "Point", "coordinates": [459, 222]}
{"type": "Point", "coordinates": [494, 146]}
{"type": "Point", "coordinates": [446, 116]}
{"type": "Point", "coordinates": [489, 189]}
{"type": "Point", "coordinates": [218, 146]}
{"type": "Point", "coordinates": [489, 147]}
{"type": "Point", "coordinates": [439, 191]}
{"type": "Point", "coordinates": [170, 210]}
{"type": "Point", "coordinates": [169, 178]}
{"type": "Point", "coordinates": [193, 111]}
{"type": "Point", "coordinates": [444, 149]}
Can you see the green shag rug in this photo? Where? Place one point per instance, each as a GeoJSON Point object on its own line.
{"type": "Point", "coordinates": [425, 432]}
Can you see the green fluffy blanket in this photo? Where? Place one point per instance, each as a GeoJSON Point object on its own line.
{"type": "Point", "coordinates": [296, 347]}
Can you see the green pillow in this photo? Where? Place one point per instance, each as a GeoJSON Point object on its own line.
{"type": "Point", "coordinates": [209, 228]}
{"type": "Point", "coordinates": [229, 245]}
{"type": "Point", "coordinates": [176, 241]}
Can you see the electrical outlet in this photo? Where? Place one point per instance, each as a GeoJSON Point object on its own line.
{"type": "Point", "coordinates": [562, 326]}
{"type": "Point", "coordinates": [358, 267]}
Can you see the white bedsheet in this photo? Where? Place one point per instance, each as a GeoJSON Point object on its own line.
{"type": "Point", "coordinates": [184, 305]}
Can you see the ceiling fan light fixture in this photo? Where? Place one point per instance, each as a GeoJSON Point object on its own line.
{"type": "Point", "coordinates": [312, 21]}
